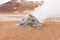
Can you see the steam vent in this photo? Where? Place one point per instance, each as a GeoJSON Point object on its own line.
{"type": "Point", "coordinates": [30, 21]}
{"type": "Point", "coordinates": [14, 6]}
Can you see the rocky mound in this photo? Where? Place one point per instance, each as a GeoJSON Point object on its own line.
{"type": "Point", "coordinates": [30, 21]}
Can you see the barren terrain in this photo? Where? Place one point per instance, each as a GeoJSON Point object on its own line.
{"type": "Point", "coordinates": [10, 31]}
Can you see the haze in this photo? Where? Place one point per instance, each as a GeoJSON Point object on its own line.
{"type": "Point", "coordinates": [50, 8]}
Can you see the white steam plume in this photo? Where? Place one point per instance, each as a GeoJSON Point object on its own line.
{"type": "Point", "coordinates": [50, 8]}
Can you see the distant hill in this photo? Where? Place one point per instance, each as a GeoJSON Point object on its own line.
{"type": "Point", "coordinates": [54, 22]}
{"type": "Point", "coordinates": [11, 7]}
{"type": "Point", "coordinates": [53, 19]}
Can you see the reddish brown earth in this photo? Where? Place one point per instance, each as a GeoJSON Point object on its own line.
{"type": "Point", "coordinates": [10, 31]}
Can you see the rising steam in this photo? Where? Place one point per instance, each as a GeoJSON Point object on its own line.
{"type": "Point", "coordinates": [50, 8]}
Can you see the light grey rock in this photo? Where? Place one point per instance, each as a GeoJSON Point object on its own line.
{"type": "Point", "coordinates": [30, 21]}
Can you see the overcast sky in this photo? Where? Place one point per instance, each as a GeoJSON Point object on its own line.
{"type": "Point", "coordinates": [4, 1]}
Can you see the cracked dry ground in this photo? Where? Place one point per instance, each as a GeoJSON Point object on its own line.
{"type": "Point", "coordinates": [10, 31]}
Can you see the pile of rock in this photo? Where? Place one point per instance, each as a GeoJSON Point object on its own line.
{"type": "Point", "coordinates": [30, 21]}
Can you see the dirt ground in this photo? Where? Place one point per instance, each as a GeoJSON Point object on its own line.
{"type": "Point", "coordinates": [10, 31]}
